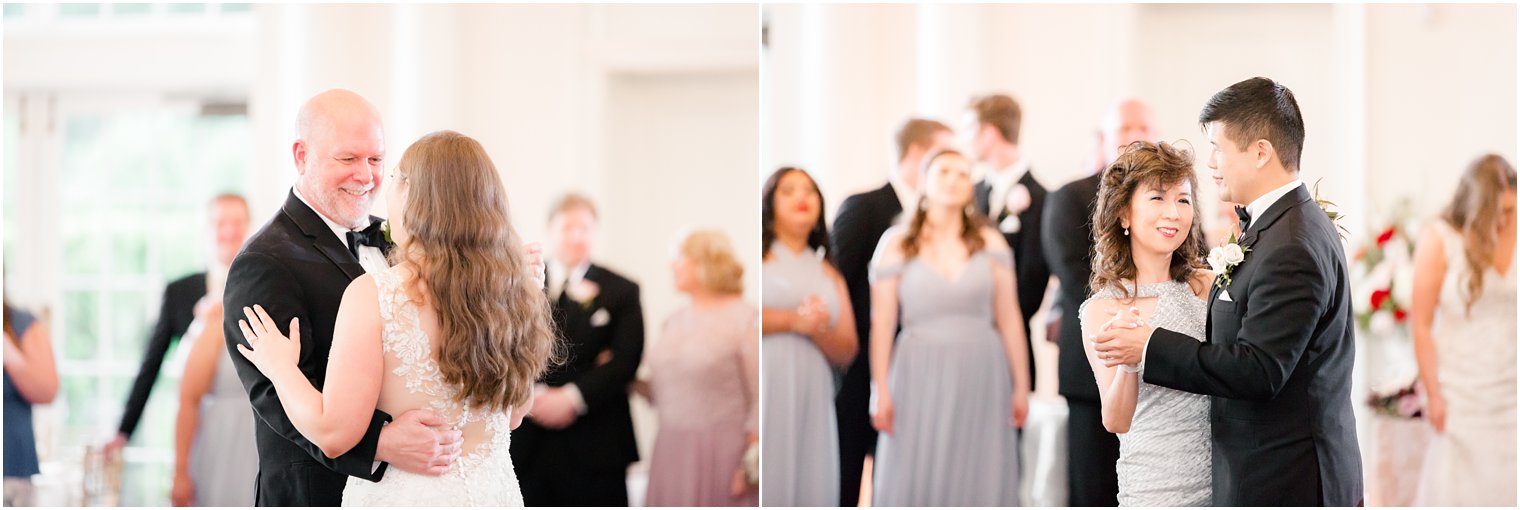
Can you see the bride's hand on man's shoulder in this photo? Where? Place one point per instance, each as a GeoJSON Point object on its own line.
{"type": "Point", "coordinates": [267, 348]}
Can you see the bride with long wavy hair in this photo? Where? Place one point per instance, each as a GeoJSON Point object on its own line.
{"type": "Point", "coordinates": [456, 326]}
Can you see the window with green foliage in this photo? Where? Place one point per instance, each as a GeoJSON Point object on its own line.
{"type": "Point", "coordinates": [131, 190]}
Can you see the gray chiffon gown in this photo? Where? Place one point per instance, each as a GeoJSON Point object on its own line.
{"type": "Point", "coordinates": [224, 463]}
{"type": "Point", "coordinates": [799, 435]}
{"type": "Point", "coordinates": [952, 389]}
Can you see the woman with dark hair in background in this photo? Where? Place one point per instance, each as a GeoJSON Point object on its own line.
{"type": "Point", "coordinates": [808, 327]}
{"type": "Point", "coordinates": [1463, 313]}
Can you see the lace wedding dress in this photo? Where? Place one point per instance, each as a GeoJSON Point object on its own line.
{"type": "Point", "coordinates": [483, 475]}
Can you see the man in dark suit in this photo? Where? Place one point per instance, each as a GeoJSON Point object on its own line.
{"type": "Point", "coordinates": [1280, 346]}
{"type": "Point", "coordinates": [575, 448]}
{"type": "Point", "coordinates": [229, 227]}
{"type": "Point", "coordinates": [857, 228]}
{"type": "Point", "coordinates": [298, 265]}
{"type": "Point", "coordinates": [1092, 451]}
{"type": "Point", "coordinates": [1011, 198]}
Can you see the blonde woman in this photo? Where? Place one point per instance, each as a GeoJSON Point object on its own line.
{"type": "Point", "coordinates": [704, 382]}
{"type": "Point", "coordinates": [456, 325]}
{"type": "Point", "coordinates": [1464, 338]}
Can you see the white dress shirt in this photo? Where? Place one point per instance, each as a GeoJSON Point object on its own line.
{"type": "Point", "coordinates": [1259, 206]}
{"type": "Point", "coordinates": [1002, 183]}
{"type": "Point", "coordinates": [370, 257]}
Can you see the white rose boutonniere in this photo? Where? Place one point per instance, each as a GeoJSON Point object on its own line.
{"type": "Point", "coordinates": [584, 292]}
{"type": "Point", "coordinates": [1017, 201]}
{"type": "Point", "coordinates": [1223, 259]}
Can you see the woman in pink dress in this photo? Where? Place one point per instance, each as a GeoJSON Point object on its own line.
{"type": "Point", "coordinates": [704, 383]}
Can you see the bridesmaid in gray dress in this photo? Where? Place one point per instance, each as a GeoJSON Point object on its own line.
{"type": "Point", "coordinates": [807, 326]}
{"type": "Point", "coordinates": [216, 460]}
{"type": "Point", "coordinates": [951, 393]}
{"type": "Point", "coordinates": [1146, 230]}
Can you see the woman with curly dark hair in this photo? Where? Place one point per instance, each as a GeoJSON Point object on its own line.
{"type": "Point", "coordinates": [1148, 266]}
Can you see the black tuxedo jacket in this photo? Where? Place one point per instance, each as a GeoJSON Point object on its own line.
{"type": "Point", "coordinates": [1068, 243]}
{"type": "Point", "coordinates": [1278, 364]}
{"type": "Point", "coordinates": [295, 267]}
{"type": "Point", "coordinates": [174, 317]}
{"type": "Point", "coordinates": [601, 440]}
{"type": "Point", "coordinates": [858, 227]}
{"type": "Point", "coordinates": [1028, 254]}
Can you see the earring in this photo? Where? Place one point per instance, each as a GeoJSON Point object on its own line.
{"type": "Point", "coordinates": [1126, 231]}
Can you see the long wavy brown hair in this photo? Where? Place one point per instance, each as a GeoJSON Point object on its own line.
{"type": "Point", "coordinates": [1141, 164]}
{"type": "Point", "coordinates": [971, 220]}
{"type": "Point", "coordinates": [497, 337]}
{"type": "Point", "coordinates": [1476, 212]}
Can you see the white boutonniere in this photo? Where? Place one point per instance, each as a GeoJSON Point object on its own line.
{"type": "Point", "coordinates": [583, 292]}
{"type": "Point", "coordinates": [385, 228]}
{"type": "Point", "coordinates": [1223, 259]}
{"type": "Point", "coordinates": [1016, 203]}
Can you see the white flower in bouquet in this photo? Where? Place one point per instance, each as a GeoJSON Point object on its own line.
{"type": "Point", "coordinates": [1403, 284]}
{"type": "Point", "coordinates": [1383, 324]}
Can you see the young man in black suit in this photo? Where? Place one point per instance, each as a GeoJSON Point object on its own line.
{"type": "Point", "coordinates": [1010, 197]}
{"type": "Point", "coordinates": [857, 228]}
{"type": "Point", "coordinates": [298, 265]}
{"type": "Point", "coordinates": [229, 227]}
{"type": "Point", "coordinates": [575, 447]}
{"type": "Point", "coordinates": [1092, 451]}
{"type": "Point", "coordinates": [1280, 344]}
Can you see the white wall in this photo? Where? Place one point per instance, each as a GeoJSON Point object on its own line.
{"type": "Point", "coordinates": [1396, 98]}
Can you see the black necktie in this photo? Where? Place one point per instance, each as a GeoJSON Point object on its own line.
{"type": "Point", "coordinates": [1245, 217]}
{"type": "Point", "coordinates": [370, 236]}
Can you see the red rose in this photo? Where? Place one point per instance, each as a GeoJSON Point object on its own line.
{"type": "Point", "coordinates": [1399, 314]}
{"type": "Point", "coordinates": [1384, 237]}
{"type": "Point", "coordinates": [1378, 297]}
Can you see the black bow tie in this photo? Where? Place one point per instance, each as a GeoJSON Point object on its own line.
{"type": "Point", "coordinates": [370, 236]}
{"type": "Point", "coordinates": [1245, 217]}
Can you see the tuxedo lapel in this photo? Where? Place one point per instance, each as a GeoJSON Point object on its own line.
{"type": "Point", "coordinates": [1298, 196]}
{"type": "Point", "coordinates": [321, 236]}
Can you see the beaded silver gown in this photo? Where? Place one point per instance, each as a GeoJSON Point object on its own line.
{"type": "Point", "coordinates": [1166, 457]}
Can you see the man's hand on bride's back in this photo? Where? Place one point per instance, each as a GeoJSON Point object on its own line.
{"type": "Point", "coordinates": [535, 253]}
{"type": "Point", "coordinates": [419, 441]}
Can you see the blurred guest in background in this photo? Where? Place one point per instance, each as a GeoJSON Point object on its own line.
{"type": "Point", "coordinates": [31, 377]}
{"type": "Point", "coordinates": [1464, 336]}
{"type": "Point", "coordinates": [576, 446]}
{"type": "Point", "coordinates": [952, 390]}
{"type": "Point", "coordinates": [808, 328]}
{"type": "Point", "coordinates": [861, 221]}
{"type": "Point", "coordinates": [229, 228]}
{"type": "Point", "coordinates": [704, 378]}
{"type": "Point", "coordinates": [1010, 197]}
{"type": "Point", "coordinates": [214, 452]}
{"type": "Point", "coordinates": [1092, 450]}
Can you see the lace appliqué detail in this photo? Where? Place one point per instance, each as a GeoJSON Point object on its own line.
{"type": "Point", "coordinates": [483, 475]}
